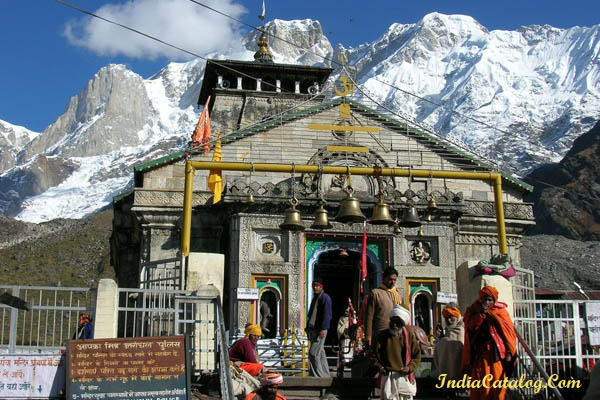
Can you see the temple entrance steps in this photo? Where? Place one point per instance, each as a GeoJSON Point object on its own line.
{"type": "Point", "coordinates": [306, 388]}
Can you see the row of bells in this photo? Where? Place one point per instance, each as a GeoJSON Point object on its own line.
{"type": "Point", "coordinates": [350, 213]}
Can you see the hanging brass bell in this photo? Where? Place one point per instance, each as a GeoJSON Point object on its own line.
{"type": "Point", "coordinates": [250, 199]}
{"type": "Point", "coordinates": [349, 211]}
{"type": "Point", "coordinates": [410, 218]}
{"type": "Point", "coordinates": [381, 214]}
{"type": "Point", "coordinates": [321, 219]}
{"type": "Point", "coordinates": [397, 229]}
{"type": "Point", "coordinates": [292, 220]}
{"type": "Point", "coordinates": [432, 205]}
{"type": "Point", "coordinates": [420, 233]}
{"type": "Point", "coordinates": [427, 217]}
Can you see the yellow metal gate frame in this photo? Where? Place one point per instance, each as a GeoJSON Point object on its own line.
{"type": "Point", "coordinates": [191, 166]}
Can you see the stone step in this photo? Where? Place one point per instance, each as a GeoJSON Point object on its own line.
{"type": "Point", "coordinates": [298, 388]}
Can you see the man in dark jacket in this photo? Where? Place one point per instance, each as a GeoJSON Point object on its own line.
{"type": "Point", "coordinates": [85, 329]}
{"type": "Point", "coordinates": [319, 318]}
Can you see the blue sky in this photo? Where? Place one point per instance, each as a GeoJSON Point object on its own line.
{"type": "Point", "coordinates": [49, 51]}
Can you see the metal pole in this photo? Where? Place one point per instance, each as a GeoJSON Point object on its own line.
{"type": "Point", "coordinates": [336, 170]}
{"type": "Point", "coordinates": [190, 166]}
{"type": "Point", "coordinates": [187, 209]}
{"type": "Point", "coordinates": [500, 215]}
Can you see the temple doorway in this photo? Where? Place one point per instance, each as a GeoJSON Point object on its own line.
{"type": "Point", "coordinates": [269, 313]}
{"type": "Point", "coordinates": [339, 270]}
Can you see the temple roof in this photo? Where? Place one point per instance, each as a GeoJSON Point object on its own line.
{"type": "Point", "coordinates": [386, 121]}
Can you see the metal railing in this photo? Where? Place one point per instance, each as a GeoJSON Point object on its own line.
{"type": "Point", "coordinates": [162, 274]}
{"type": "Point", "coordinates": [530, 367]}
{"type": "Point", "coordinates": [147, 312]}
{"type": "Point", "coordinates": [198, 318]}
{"type": "Point", "coordinates": [153, 312]}
{"type": "Point", "coordinates": [554, 341]}
{"type": "Point", "coordinates": [286, 354]}
{"type": "Point", "coordinates": [49, 324]}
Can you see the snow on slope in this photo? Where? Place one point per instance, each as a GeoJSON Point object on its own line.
{"type": "Point", "coordinates": [16, 136]}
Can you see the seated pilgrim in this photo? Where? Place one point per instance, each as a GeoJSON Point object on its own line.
{"type": "Point", "coordinates": [243, 352]}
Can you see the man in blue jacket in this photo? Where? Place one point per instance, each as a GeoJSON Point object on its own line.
{"type": "Point", "coordinates": [319, 318]}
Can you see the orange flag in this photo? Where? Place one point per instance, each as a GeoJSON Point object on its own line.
{"type": "Point", "coordinates": [215, 181]}
{"type": "Point", "coordinates": [202, 131]}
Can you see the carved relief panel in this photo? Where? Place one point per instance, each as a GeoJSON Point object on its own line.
{"type": "Point", "coordinates": [423, 250]}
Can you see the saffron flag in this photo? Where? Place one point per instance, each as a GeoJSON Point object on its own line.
{"type": "Point", "coordinates": [363, 257]}
{"type": "Point", "coordinates": [201, 134]}
{"type": "Point", "coordinates": [215, 181]}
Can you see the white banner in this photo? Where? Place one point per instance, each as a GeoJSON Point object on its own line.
{"type": "Point", "coordinates": [247, 293]}
{"type": "Point", "coordinates": [31, 376]}
{"type": "Point", "coordinates": [592, 311]}
{"type": "Point", "coordinates": [445, 298]}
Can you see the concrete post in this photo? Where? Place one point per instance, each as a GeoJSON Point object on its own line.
{"type": "Point", "coordinates": [107, 310]}
{"type": "Point", "coordinates": [205, 269]}
{"type": "Point", "coordinates": [205, 276]}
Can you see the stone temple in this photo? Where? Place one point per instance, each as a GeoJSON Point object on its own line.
{"type": "Point", "coordinates": [283, 114]}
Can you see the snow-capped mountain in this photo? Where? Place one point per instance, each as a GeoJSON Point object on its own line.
{"type": "Point", "coordinates": [12, 140]}
{"type": "Point", "coordinates": [538, 86]}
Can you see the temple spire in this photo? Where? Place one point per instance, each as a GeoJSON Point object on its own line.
{"type": "Point", "coordinates": [263, 55]}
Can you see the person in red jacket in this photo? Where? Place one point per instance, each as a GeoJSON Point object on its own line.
{"type": "Point", "coordinates": [268, 388]}
{"type": "Point", "coordinates": [490, 344]}
{"type": "Point", "coordinates": [243, 352]}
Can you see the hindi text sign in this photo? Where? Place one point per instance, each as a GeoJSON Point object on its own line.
{"type": "Point", "coordinates": [31, 376]}
{"type": "Point", "coordinates": [128, 369]}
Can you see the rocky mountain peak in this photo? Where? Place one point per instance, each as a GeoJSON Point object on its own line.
{"type": "Point", "coordinates": [12, 140]}
{"type": "Point", "coordinates": [567, 194]}
{"type": "Point", "coordinates": [106, 116]}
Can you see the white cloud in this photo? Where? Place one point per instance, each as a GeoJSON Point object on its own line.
{"type": "Point", "coordinates": [178, 22]}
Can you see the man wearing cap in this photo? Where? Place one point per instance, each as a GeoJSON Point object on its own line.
{"type": "Point", "coordinates": [319, 318]}
{"type": "Point", "coordinates": [268, 388]}
{"type": "Point", "coordinates": [396, 354]}
{"type": "Point", "coordinates": [490, 344]}
{"type": "Point", "coordinates": [448, 349]}
{"type": "Point", "coordinates": [380, 303]}
{"type": "Point", "coordinates": [243, 352]}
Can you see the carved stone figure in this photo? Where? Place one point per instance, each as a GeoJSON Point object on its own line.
{"type": "Point", "coordinates": [419, 252]}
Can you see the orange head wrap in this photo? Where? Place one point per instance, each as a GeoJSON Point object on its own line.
{"type": "Point", "coordinates": [252, 329]}
{"type": "Point", "coordinates": [451, 312]}
{"type": "Point", "coordinates": [488, 291]}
